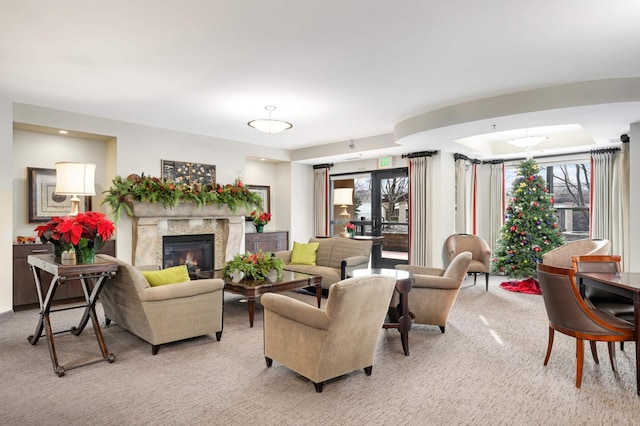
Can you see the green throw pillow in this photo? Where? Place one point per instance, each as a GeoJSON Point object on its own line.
{"type": "Point", "coordinates": [175, 274]}
{"type": "Point", "coordinates": [304, 254]}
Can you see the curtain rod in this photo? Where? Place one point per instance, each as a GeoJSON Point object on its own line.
{"type": "Point", "coordinates": [420, 154]}
{"type": "Point", "coordinates": [464, 157]}
{"type": "Point", "coordinates": [497, 161]}
{"type": "Point", "coordinates": [323, 166]}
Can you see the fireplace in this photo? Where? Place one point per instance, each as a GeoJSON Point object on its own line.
{"type": "Point", "coordinates": [196, 251]}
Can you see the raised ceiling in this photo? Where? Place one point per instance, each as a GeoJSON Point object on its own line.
{"type": "Point", "coordinates": [338, 70]}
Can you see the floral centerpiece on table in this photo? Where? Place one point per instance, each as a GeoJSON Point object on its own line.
{"type": "Point", "coordinates": [253, 265]}
{"type": "Point", "coordinates": [169, 193]}
{"type": "Point", "coordinates": [351, 229]}
{"type": "Point", "coordinates": [86, 233]}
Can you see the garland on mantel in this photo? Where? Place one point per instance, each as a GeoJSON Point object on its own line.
{"type": "Point", "coordinates": [169, 194]}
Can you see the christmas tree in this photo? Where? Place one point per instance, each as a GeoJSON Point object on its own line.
{"type": "Point", "coordinates": [531, 225]}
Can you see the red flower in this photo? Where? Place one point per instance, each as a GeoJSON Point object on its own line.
{"type": "Point", "coordinates": [260, 218]}
{"type": "Point", "coordinates": [71, 229]}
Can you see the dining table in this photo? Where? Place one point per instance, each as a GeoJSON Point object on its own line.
{"type": "Point", "coordinates": [625, 284]}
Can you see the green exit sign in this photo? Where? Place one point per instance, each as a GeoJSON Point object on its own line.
{"type": "Point", "coordinates": [384, 162]}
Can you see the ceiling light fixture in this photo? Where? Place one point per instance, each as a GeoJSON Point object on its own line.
{"type": "Point", "coordinates": [269, 125]}
{"type": "Point", "coordinates": [527, 141]}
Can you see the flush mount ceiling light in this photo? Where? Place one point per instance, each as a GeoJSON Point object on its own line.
{"type": "Point", "coordinates": [269, 125]}
{"type": "Point", "coordinates": [527, 141]}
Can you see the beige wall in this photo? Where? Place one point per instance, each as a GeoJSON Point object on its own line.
{"type": "Point", "coordinates": [6, 212]}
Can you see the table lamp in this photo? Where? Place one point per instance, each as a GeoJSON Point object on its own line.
{"type": "Point", "coordinates": [75, 179]}
{"type": "Point", "coordinates": [343, 197]}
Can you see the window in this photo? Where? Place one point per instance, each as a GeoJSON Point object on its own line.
{"type": "Point", "coordinates": [569, 183]}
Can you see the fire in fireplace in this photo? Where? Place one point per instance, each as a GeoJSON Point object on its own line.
{"type": "Point", "coordinates": [195, 251]}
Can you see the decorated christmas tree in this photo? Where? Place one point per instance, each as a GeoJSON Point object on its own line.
{"type": "Point", "coordinates": [531, 225]}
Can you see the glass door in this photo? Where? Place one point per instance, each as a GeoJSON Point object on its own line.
{"type": "Point", "coordinates": [390, 215]}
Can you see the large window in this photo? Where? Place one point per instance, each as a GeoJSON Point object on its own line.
{"type": "Point", "coordinates": [569, 183]}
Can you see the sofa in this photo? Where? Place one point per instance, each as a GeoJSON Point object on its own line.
{"type": "Point", "coordinates": [165, 313]}
{"type": "Point", "coordinates": [335, 258]}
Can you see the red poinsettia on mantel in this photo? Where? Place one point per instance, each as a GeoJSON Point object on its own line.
{"type": "Point", "coordinates": [85, 232]}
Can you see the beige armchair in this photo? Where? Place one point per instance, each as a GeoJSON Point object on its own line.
{"type": "Point", "coordinates": [435, 290]}
{"type": "Point", "coordinates": [162, 314]}
{"type": "Point", "coordinates": [480, 254]}
{"type": "Point", "coordinates": [560, 257]}
{"type": "Point", "coordinates": [323, 344]}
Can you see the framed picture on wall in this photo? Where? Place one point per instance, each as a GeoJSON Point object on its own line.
{"type": "Point", "coordinates": [43, 200]}
{"type": "Point", "coordinates": [180, 172]}
{"type": "Point", "coordinates": [265, 193]}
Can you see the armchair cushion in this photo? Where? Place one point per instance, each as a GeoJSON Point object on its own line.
{"type": "Point", "coordinates": [304, 253]}
{"type": "Point", "coordinates": [175, 274]}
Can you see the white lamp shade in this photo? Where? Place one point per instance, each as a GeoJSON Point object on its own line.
{"type": "Point", "coordinates": [75, 178]}
{"type": "Point", "coordinates": [343, 196]}
{"type": "Point", "coordinates": [270, 126]}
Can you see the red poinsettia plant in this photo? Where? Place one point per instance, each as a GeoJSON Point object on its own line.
{"type": "Point", "coordinates": [89, 229]}
{"type": "Point", "coordinates": [260, 218]}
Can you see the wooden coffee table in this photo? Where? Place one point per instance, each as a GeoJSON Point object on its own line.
{"type": "Point", "coordinates": [252, 289]}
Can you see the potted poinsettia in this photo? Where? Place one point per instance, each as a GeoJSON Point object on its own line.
{"type": "Point", "coordinates": [260, 219]}
{"type": "Point", "coordinates": [84, 233]}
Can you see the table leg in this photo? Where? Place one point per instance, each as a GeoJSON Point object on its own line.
{"type": "Point", "coordinates": [251, 305]}
{"type": "Point", "coordinates": [91, 299]}
{"type": "Point", "coordinates": [404, 323]}
{"type": "Point", "coordinates": [636, 317]}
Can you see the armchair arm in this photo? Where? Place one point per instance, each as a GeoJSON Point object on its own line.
{"type": "Point", "coordinates": [431, 281]}
{"type": "Point", "coordinates": [422, 270]}
{"type": "Point", "coordinates": [177, 290]}
{"type": "Point", "coordinates": [295, 310]}
{"type": "Point", "coordinates": [284, 255]}
{"type": "Point", "coordinates": [351, 263]}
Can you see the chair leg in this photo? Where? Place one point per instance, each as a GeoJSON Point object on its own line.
{"type": "Point", "coordinates": [269, 361]}
{"type": "Point", "coordinates": [612, 356]}
{"type": "Point", "coordinates": [622, 346]}
{"type": "Point", "coordinates": [218, 335]}
{"type": "Point", "coordinates": [579, 361]}
{"type": "Point", "coordinates": [487, 281]}
{"type": "Point", "coordinates": [318, 386]}
{"type": "Point", "coordinates": [475, 276]}
{"type": "Point", "coordinates": [155, 349]}
{"type": "Point", "coordinates": [549, 346]}
{"type": "Point", "coordinates": [594, 351]}
{"type": "Point", "coordinates": [368, 370]}
{"type": "Point", "coordinates": [441, 328]}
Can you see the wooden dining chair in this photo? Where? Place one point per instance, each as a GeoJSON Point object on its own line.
{"type": "Point", "coordinates": [619, 306]}
{"type": "Point", "coordinates": [569, 314]}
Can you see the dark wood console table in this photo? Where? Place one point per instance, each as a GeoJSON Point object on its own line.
{"type": "Point", "coordinates": [92, 278]}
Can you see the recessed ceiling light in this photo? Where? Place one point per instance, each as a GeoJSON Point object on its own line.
{"type": "Point", "coordinates": [63, 132]}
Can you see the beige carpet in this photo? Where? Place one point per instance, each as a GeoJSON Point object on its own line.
{"type": "Point", "coordinates": [487, 369]}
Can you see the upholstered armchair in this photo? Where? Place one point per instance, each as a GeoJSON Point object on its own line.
{"type": "Point", "coordinates": [560, 257]}
{"type": "Point", "coordinates": [323, 344]}
{"type": "Point", "coordinates": [435, 290]}
{"type": "Point", "coordinates": [480, 254]}
{"type": "Point", "coordinates": [162, 314]}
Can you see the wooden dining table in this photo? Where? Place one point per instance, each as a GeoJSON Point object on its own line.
{"type": "Point", "coordinates": [625, 284]}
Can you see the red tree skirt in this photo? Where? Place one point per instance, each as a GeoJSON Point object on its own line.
{"type": "Point", "coordinates": [528, 286]}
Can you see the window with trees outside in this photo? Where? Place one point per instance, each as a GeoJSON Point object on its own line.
{"type": "Point", "coordinates": [569, 183]}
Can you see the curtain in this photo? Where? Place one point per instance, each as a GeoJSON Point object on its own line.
{"type": "Point", "coordinates": [496, 203]}
{"type": "Point", "coordinates": [420, 214]}
{"type": "Point", "coordinates": [465, 220]}
{"type": "Point", "coordinates": [610, 198]}
{"type": "Point", "coordinates": [620, 204]}
{"type": "Point", "coordinates": [321, 201]}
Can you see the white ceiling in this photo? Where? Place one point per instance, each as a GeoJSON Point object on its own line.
{"type": "Point", "coordinates": [338, 70]}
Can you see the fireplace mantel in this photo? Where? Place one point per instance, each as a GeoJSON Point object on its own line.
{"type": "Point", "coordinates": [152, 221]}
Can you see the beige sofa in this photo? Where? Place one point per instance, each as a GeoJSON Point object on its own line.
{"type": "Point", "coordinates": [162, 314]}
{"type": "Point", "coordinates": [334, 259]}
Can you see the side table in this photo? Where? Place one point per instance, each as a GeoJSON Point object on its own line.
{"type": "Point", "coordinates": [97, 273]}
{"type": "Point", "coordinates": [404, 282]}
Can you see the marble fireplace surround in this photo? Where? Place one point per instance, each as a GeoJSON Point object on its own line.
{"type": "Point", "coordinates": [151, 221]}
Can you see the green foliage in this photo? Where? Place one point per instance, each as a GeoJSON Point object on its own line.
{"type": "Point", "coordinates": [531, 225]}
{"type": "Point", "coordinates": [255, 266]}
{"type": "Point", "coordinates": [156, 190]}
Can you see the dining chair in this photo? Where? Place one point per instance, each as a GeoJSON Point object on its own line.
{"type": "Point", "coordinates": [620, 306]}
{"type": "Point", "coordinates": [569, 314]}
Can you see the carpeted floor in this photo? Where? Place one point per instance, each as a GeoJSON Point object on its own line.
{"type": "Point", "coordinates": [486, 369]}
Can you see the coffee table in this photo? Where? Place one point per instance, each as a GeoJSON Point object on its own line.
{"type": "Point", "coordinates": [253, 289]}
{"type": "Point", "coordinates": [404, 282]}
